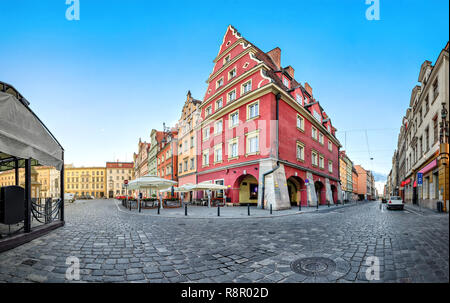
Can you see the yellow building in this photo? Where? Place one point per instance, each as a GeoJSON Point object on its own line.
{"type": "Point", "coordinates": [46, 176]}
{"type": "Point", "coordinates": [85, 181]}
{"type": "Point", "coordinates": [190, 117]}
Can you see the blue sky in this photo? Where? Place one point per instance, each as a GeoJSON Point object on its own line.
{"type": "Point", "coordinates": [125, 67]}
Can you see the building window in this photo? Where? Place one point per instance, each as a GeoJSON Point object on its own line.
{"type": "Point", "coordinates": [314, 132]}
{"type": "Point", "coordinates": [219, 104]}
{"type": "Point", "coordinates": [208, 111]}
{"type": "Point", "coordinates": [253, 142]}
{"type": "Point", "coordinates": [300, 151]}
{"type": "Point", "coordinates": [206, 158]}
{"type": "Point", "coordinates": [218, 127]}
{"type": "Point", "coordinates": [219, 83]}
{"type": "Point", "coordinates": [427, 140]}
{"type": "Point", "coordinates": [300, 122]}
{"type": "Point", "coordinates": [314, 158]}
{"type": "Point", "coordinates": [253, 110]}
{"type": "Point", "coordinates": [218, 153]}
{"type": "Point", "coordinates": [185, 165]}
{"type": "Point", "coordinates": [206, 133]}
{"type": "Point", "coordinates": [233, 148]}
{"type": "Point", "coordinates": [321, 162]}
{"type": "Point", "coordinates": [192, 163]}
{"type": "Point", "coordinates": [330, 146]}
{"type": "Point", "coordinates": [330, 166]}
{"type": "Point", "coordinates": [320, 138]}
{"type": "Point", "coordinates": [286, 82]}
{"type": "Point", "coordinates": [246, 87]}
{"type": "Point", "coordinates": [435, 129]}
{"type": "Point", "coordinates": [435, 88]}
{"type": "Point", "coordinates": [226, 59]}
{"type": "Point", "coordinates": [232, 74]}
{"type": "Point", "coordinates": [232, 95]}
{"type": "Point", "coordinates": [298, 98]}
{"type": "Point", "coordinates": [234, 119]}
{"type": "Point", "coordinates": [192, 142]}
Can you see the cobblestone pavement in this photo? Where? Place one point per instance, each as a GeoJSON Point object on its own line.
{"type": "Point", "coordinates": [115, 246]}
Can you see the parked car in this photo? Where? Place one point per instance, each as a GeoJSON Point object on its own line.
{"type": "Point", "coordinates": [395, 202]}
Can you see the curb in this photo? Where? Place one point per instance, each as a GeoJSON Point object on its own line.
{"type": "Point", "coordinates": [234, 218]}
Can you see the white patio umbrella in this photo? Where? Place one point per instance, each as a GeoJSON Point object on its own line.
{"type": "Point", "coordinates": [151, 182]}
{"type": "Point", "coordinates": [209, 186]}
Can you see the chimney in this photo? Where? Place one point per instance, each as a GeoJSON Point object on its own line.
{"type": "Point", "coordinates": [308, 88]}
{"type": "Point", "coordinates": [290, 71]}
{"type": "Point", "coordinates": [275, 55]}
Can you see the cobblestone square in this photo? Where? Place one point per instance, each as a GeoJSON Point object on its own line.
{"type": "Point", "coordinates": [116, 246]}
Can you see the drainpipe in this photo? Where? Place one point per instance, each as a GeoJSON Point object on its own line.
{"type": "Point", "coordinates": [277, 97]}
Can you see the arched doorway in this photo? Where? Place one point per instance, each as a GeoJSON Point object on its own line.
{"type": "Point", "coordinates": [297, 191]}
{"type": "Point", "coordinates": [334, 194]}
{"type": "Point", "coordinates": [320, 192]}
{"type": "Point", "coordinates": [247, 186]}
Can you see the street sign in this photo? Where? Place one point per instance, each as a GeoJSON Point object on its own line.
{"type": "Point", "coordinates": [419, 179]}
{"type": "Point", "coordinates": [306, 181]}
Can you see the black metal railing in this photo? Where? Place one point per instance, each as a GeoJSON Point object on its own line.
{"type": "Point", "coordinates": [46, 212]}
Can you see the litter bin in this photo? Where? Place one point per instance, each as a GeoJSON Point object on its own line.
{"type": "Point", "coordinates": [440, 207]}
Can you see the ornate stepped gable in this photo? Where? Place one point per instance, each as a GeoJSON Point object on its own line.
{"type": "Point", "coordinates": [234, 46]}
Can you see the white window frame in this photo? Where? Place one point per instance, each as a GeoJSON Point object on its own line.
{"type": "Point", "coordinates": [217, 82]}
{"type": "Point", "coordinates": [208, 111]}
{"type": "Point", "coordinates": [330, 166]}
{"type": "Point", "coordinates": [228, 95]}
{"type": "Point", "coordinates": [314, 133]}
{"type": "Point", "coordinates": [243, 91]}
{"type": "Point", "coordinates": [321, 140]}
{"type": "Point", "coordinates": [248, 110]}
{"type": "Point", "coordinates": [314, 158]}
{"type": "Point", "coordinates": [217, 102]}
{"type": "Point", "coordinates": [302, 155]}
{"type": "Point", "coordinates": [229, 73]}
{"type": "Point", "coordinates": [321, 161]}
{"type": "Point", "coordinates": [302, 122]}
{"type": "Point", "coordinates": [205, 155]}
{"type": "Point", "coordinates": [206, 133]}
{"type": "Point", "coordinates": [249, 136]}
{"type": "Point", "coordinates": [230, 120]}
{"type": "Point", "coordinates": [218, 147]}
{"type": "Point", "coordinates": [231, 142]}
{"type": "Point", "coordinates": [216, 132]}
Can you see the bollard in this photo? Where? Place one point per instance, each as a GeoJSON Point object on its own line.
{"type": "Point", "coordinates": [248, 208]}
{"type": "Point", "coordinates": [139, 205]}
{"type": "Point", "coordinates": [218, 210]}
{"type": "Point", "coordinates": [300, 206]}
{"type": "Point", "coordinates": [185, 209]}
{"type": "Point", "coordinates": [317, 205]}
{"type": "Point", "coordinates": [159, 207]}
{"type": "Point", "coordinates": [328, 203]}
{"type": "Point", "coordinates": [270, 208]}
{"type": "Point", "coordinates": [129, 204]}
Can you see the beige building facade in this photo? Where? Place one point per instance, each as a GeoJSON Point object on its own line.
{"type": "Point", "coordinates": [85, 181]}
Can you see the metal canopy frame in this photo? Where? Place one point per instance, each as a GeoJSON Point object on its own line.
{"type": "Point", "coordinates": [10, 162]}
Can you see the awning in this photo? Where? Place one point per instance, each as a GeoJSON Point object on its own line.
{"type": "Point", "coordinates": [429, 167]}
{"type": "Point", "coordinates": [23, 135]}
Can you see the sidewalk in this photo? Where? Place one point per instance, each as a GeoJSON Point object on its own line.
{"type": "Point", "coordinates": [422, 210]}
{"type": "Point", "coordinates": [241, 212]}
